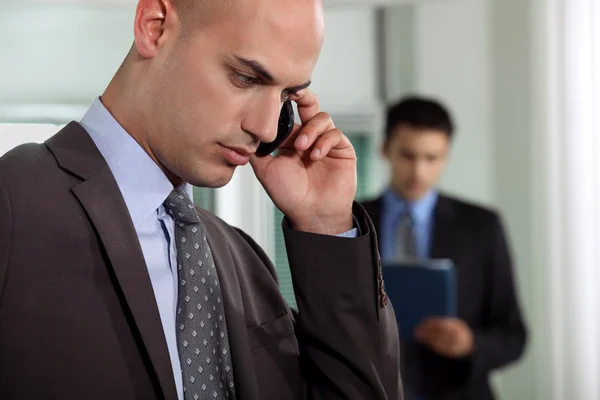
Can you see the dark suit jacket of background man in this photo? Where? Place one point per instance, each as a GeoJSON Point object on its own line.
{"type": "Point", "coordinates": [78, 317]}
{"type": "Point", "coordinates": [473, 238]}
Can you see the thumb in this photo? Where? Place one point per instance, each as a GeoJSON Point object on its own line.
{"type": "Point", "coordinates": [260, 165]}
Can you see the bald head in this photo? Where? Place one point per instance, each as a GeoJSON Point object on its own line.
{"type": "Point", "coordinates": [196, 14]}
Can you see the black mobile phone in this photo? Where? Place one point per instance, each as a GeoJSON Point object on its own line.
{"type": "Point", "coordinates": [284, 129]}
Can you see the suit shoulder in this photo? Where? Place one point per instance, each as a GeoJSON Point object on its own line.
{"type": "Point", "coordinates": [369, 200]}
{"type": "Point", "coordinates": [26, 160]}
{"type": "Point", "coordinates": [472, 210]}
{"type": "Point", "coordinates": [371, 205]}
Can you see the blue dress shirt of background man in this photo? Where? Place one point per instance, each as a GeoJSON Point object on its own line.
{"type": "Point", "coordinates": [453, 357]}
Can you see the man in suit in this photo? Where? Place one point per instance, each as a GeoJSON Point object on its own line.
{"type": "Point", "coordinates": [113, 286]}
{"type": "Point", "coordinates": [453, 357]}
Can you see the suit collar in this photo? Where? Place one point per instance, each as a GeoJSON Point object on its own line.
{"type": "Point", "coordinates": [100, 197]}
{"type": "Point", "coordinates": [75, 152]}
{"type": "Point", "coordinates": [142, 182]}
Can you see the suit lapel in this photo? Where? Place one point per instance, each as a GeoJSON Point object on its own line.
{"type": "Point", "coordinates": [444, 231]}
{"type": "Point", "coordinates": [101, 199]}
{"type": "Point", "coordinates": [246, 387]}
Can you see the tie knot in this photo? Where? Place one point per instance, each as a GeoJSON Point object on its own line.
{"type": "Point", "coordinates": [407, 214]}
{"type": "Point", "coordinates": [181, 207]}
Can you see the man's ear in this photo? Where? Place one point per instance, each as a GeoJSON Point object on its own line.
{"type": "Point", "coordinates": [155, 22]}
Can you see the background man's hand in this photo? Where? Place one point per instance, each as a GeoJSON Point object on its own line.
{"type": "Point", "coordinates": [449, 337]}
{"type": "Point", "coordinates": [312, 180]}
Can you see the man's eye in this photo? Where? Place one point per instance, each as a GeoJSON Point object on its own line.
{"type": "Point", "coordinates": [245, 80]}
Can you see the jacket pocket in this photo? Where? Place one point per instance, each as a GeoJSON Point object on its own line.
{"type": "Point", "coordinates": [271, 331]}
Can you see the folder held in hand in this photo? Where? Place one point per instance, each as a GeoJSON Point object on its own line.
{"type": "Point", "coordinates": [420, 289]}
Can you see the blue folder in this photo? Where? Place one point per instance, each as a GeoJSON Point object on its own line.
{"type": "Point", "coordinates": [420, 289]}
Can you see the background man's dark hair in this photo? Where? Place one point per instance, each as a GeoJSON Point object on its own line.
{"type": "Point", "coordinates": [420, 113]}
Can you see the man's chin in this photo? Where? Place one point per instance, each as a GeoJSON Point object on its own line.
{"type": "Point", "coordinates": [215, 181]}
{"type": "Point", "coordinates": [414, 194]}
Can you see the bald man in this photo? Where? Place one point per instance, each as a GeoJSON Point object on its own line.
{"type": "Point", "coordinates": [114, 286]}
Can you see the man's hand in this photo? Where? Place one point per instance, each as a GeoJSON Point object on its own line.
{"type": "Point", "coordinates": [312, 180]}
{"type": "Point", "coordinates": [449, 337]}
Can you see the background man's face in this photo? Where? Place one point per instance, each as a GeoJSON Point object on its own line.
{"type": "Point", "coordinates": [209, 95]}
{"type": "Point", "coordinates": [417, 158]}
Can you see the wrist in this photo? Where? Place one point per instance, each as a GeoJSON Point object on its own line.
{"type": "Point", "coordinates": [323, 225]}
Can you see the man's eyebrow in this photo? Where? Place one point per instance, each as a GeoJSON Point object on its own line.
{"type": "Point", "coordinates": [296, 89]}
{"type": "Point", "coordinates": [265, 75]}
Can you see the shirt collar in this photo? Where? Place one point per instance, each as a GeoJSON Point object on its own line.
{"type": "Point", "coordinates": [143, 184]}
{"type": "Point", "coordinates": [421, 209]}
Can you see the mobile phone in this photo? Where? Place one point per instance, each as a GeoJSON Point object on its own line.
{"type": "Point", "coordinates": [284, 129]}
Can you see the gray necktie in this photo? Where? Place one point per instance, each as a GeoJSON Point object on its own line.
{"type": "Point", "coordinates": [406, 244]}
{"type": "Point", "coordinates": [201, 330]}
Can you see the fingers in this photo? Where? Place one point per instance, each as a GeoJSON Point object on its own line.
{"type": "Point", "coordinates": [435, 330]}
{"type": "Point", "coordinates": [317, 134]}
{"type": "Point", "coordinates": [260, 164]}
{"type": "Point", "coordinates": [308, 105]}
{"type": "Point", "coordinates": [443, 335]}
{"type": "Point", "coordinates": [311, 130]}
{"type": "Point", "coordinates": [433, 326]}
{"type": "Point", "coordinates": [333, 139]}
{"type": "Point", "coordinates": [289, 142]}
{"type": "Point", "coordinates": [321, 135]}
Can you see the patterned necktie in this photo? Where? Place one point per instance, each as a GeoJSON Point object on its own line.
{"type": "Point", "coordinates": [406, 244]}
{"type": "Point", "coordinates": [201, 330]}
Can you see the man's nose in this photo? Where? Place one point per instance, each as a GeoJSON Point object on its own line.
{"type": "Point", "coordinates": [262, 120]}
{"type": "Point", "coordinates": [420, 168]}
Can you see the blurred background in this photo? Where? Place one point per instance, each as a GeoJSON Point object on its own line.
{"type": "Point", "coordinates": [521, 77]}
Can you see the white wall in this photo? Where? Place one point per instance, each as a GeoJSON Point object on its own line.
{"type": "Point", "coordinates": [345, 77]}
{"type": "Point", "coordinates": [452, 62]}
{"type": "Point", "coordinates": [442, 49]}
{"type": "Point", "coordinates": [514, 147]}
{"type": "Point", "coordinates": [53, 54]}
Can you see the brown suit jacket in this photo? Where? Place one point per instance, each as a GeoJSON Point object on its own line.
{"type": "Point", "coordinates": [78, 317]}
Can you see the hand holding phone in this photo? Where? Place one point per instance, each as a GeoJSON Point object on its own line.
{"type": "Point", "coordinates": [314, 182]}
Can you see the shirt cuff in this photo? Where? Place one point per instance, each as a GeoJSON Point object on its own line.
{"type": "Point", "coordinates": [352, 233]}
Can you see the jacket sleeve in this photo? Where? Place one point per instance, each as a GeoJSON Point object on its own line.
{"type": "Point", "coordinates": [503, 336]}
{"type": "Point", "coordinates": [5, 233]}
{"type": "Point", "coordinates": [346, 327]}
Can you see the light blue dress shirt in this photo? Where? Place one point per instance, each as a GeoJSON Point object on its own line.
{"type": "Point", "coordinates": [145, 187]}
{"type": "Point", "coordinates": [392, 208]}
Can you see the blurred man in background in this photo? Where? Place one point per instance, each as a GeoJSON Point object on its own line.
{"type": "Point", "coordinates": [452, 357]}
